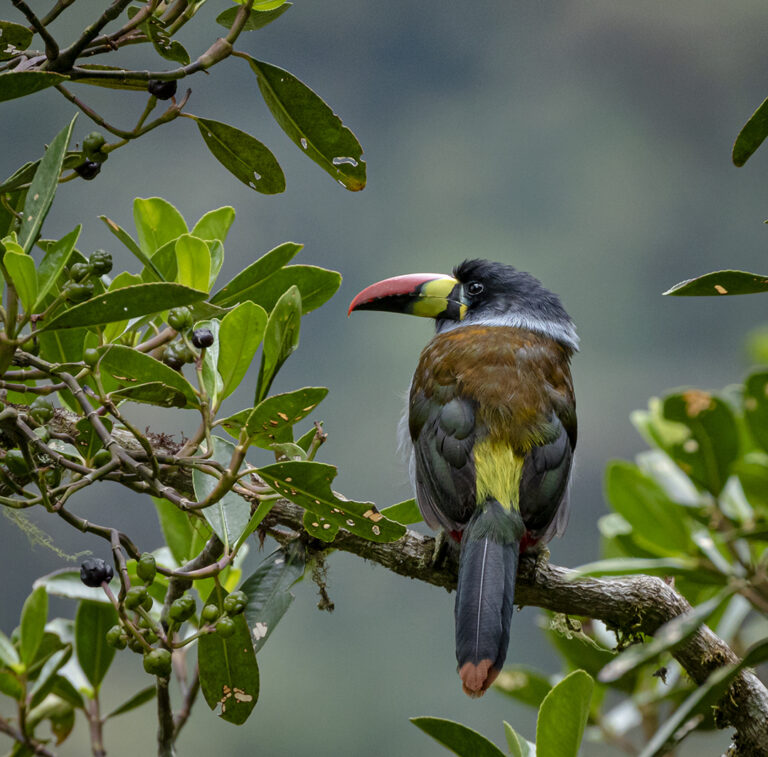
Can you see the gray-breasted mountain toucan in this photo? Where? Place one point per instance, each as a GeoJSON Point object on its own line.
{"type": "Point", "coordinates": [492, 426]}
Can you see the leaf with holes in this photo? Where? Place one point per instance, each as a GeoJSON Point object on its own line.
{"type": "Point", "coordinates": [14, 39]}
{"type": "Point", "coordinates": [720, 283]}
{"type": "Point", "coordinates": [243, 155]}
{"type": "Point", "coordinates": [309, 484]}
{"type": "Point", "coordinates": [311, 124]}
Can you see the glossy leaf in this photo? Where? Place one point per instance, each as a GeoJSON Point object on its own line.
{"type": "Point", "coordinates": [66, 583]}
{"type": "Point", "coordinates": [319, 527]}
{"type": "Point", "coordinates": [131, 244]}
{"type": "Point", "coordinates": [157, 222]}
{"type": "Point", "coordinates": [14, 39]}
{"type": "Point", "coordinates": [22, 83]}
{"type": "Point", "coordinates": [518, 746]}
{"type": "Point", "coordinates": [230, 515]}
{"type": "Point", "coordinates": [127, 366]}
{"type": "Point", "coordinates": [210, 374]}
{"type": "Point", "coordinates": [47, 676]}
{"type": "Point", "coordinates": [165, 47]}
{"type": "Point", "coordinates": [53, 263]}
{"type": "Point", "coordinates": [34, 615]}
{"type": "Point", "coordinates": [720, 283]}
{"type": "Point", "coordinates": [180, 530]}
{"type": "Point", "coordinates": [668, 637]}
{"type": "Point", "coordinates": [624, 566]}
{"type": "Point", "coordinates": [563, 715]}
{"type": "Point", "coordinates": [311, 124]}
{"type": "Point", "coordinates": [458, 738]}
{"type": "Point", "coordinates": [243, 156]}
{"type": "Point", "coordinates": [263, 5]}
{"type": "Point", "coordinates": [316, 286]}
{"type": "Point", "coordinates": [122, 304]}
{"type": "Point", "coordinates": [215, 224]}
{"type": "Point", "coordinates": [229, 674]}
{"type": "Point", "coordinates": [11, 686]}
{"type": "Point", "coordinates": [267, 589]}
{"type": "Point", "coordinates": [8, 654]}
{"type": "Point", "coordinates": [655, 519]}
{"type": "Point", "coordinates": [193, 261]}
{"type": "Point", "coordinates": [406, 512]}
{"type": "Point", "coordinates": [44, 184]}
{"type": "Point", "coordinates": [240, 288]}
{"type": "Point", "coordinates": [240, 335]}
{"type": "Point", "coordinates": [139, 698]}
{"type": "Point", "coordinates": [309, 484]}
{"type": "Point", "coordinates": [524, 684]}
{"type": "Point", "coordinates": [257, 19]}
{"type": "Point", "coordinates": [92, 621]}
{"type": "Point", "coordinates": [702, 699]}
{"type": "Point", "coordinates": [281, 338]}
{"type": "Point", "coordinates": [151, 393]}
{"type": "Point", "coordinates": [272, 419]}
{"type": "Point", "coordinates": [21, 269]}
{"type": "Point", "coordinates": [751, 135]}
{"type": "Point", "coordinates": [711, 445]}
{"type": "Point", "coordinates": [756, 406]}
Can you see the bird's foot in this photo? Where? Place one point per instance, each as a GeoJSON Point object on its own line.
{"type": "Point", "coordinates": [440, 551]}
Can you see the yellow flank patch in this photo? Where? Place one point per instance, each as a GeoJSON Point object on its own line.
{"type": "Point", "coordinates": [497, 471]}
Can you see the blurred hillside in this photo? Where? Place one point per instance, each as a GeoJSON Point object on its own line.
{"type": "Point", "coordinates": [588, 143]}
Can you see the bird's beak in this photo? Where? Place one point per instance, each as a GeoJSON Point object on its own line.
{"type": "Point", "coordinates": [431, 295]}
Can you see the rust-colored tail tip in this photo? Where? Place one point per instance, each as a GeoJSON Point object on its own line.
{"type": "Point", "coordinates": [475, 679]}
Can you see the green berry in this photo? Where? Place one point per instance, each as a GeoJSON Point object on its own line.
{"type": "Point", "coordinates": [146, 568]}
{"type": "Point", "coordinates": [93, 143]}
{"type": "Point", "coordinates": [135, 645]}
{"type": "Point", "coordinates": [235, 603]}
{"type": "Point", "coordinates": [78, 292]}
{"type": "Point", "coordinates": [116, 638]}
{"type": "Point", "coordinates": [135, 597]}
{"type": "Point", "coordinates": [158, 662]}
{"type": "Point", "coordinates": [182, 608]}
{"type": "Point", "coordinates": [100, 262]}
{"type": "Point", "coordinates": [225, 627]}
{"type": "Point", "coordinates": [91, 357]}
{"type": "Point", "coordinates": [149, 636]}
{"type": "Point", "coordinates": [41, 410]}
{"type": "Point", "coordinates": [210, 613]}
{"type": "Point", "coordinates": [180, 318]}
{"type": "Point", "coordinates": [16, 463]}
{"type": "Point", "coordinates": [52, 476]}
{"type": "Point", "coordinates": [79, 272]}
{"type": "Point", "coordinates": [147, 603]}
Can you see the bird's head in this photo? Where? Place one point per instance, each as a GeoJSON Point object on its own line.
{"type": "Point", "coordinates": [480, 292]}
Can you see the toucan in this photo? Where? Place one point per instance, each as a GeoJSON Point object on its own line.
{"type": "Point", "coordinates": [491, 431]}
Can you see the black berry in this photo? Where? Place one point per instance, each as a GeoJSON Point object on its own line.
{"type": "Point", "coordinates": [162, 90]}
{"type": "Point", "coordinates": [202, 338]}
{"type": "Point", "coordinates": [88, 170]}
{"type": "Point", "coordinates": [94, 571]}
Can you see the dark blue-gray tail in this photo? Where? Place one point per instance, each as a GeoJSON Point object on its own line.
{"type": "Point", "coordinates": [485, 594]}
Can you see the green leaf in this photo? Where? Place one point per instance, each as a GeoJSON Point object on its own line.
{"type": "Point", "coordinates": [756, 406]}
{"type": "Point", "coordinates": [623, 566]}
{"type": "Point", "coordinates": [14, 39]}
{"type": "Point", "coordinates": [210, 374]}
{"type": "Point", "coordinates": [180, 530]}
{"type": "Point", "coordinates": [34, 616]}
{"type": "Point", "coordinates": [316, 286]}
{"type": "Point", "coordinates": [47, 676]}
{"type": "Point", "coordinates": [281, 338]}
{"type": "Point", "coordinates": [309, 484]}
{"type": "Point", "coordinates": [240, 334]}
{"type": "Point", "coordinates": [668, 637]}
{"type": "Point", "coordinates": [267, 589]}
{"type": "Point", "coordinates": [272, 419]}
{"type": "Point", "coordinates": [457, 737]}
{"type": "Point", "coordinates": [165, 47]}
{"type": "Point", "coordinates": [311, 124]}
{"type": "Point", "coordinates": [44, 184]}
{"type": "Point", "coordinates": [21, 269]}
{"type": "Point", "coordinates": [319, 527]}
{"type": "Point", "coordinates": [712, 440]}
{"type": "Point", "coordinates": [257, 19]}
{"type": "Point", "coordinates": [139, 698]}
{"type": "Point", "coordinates": [406, 512]}
{"type": "Point", "coordinates": [193, 260]}
{"type": "Point", "coordinates": [92, 621]}
{"type": "Point", "coordinates": [563, 715]}
{"type": "Point", "coordinates": [720, 283]}
{"type": "Point", "coordinates": [263, 5]}
{"type": "Point", "coordinates": [524, 684]}
{"type": "Point", "coordinates": [215, 224]}
{"type": "Point", "coordinates": [151, 393]}
{"type": "Point", "coordinates": [67, 583]}
{"type": "Point", "coordinates": [657, 523]}
{"type": "Point", "coordinates": [157, 222]}
{"type": "Point", "coordinates": [518, 746]}
{"type": "Point", "coordinates": [229, 674]}
{"type": "Point", "coordinates": [751, 135]}
{"type": "Point", "coordinates": [127, 366]}
{"type": "Point", "coordinates": [53, 263]}
{"type": "Point", "coordinates": [702, 699]}
{"type": "Point", "coordinates": [11, 686]}
{"type": "Point", "coordinates": [230, 515]}
{"type": "Point", "coordinates": [243, 155]}
{"type": "Point", "coordinates": [130, 243]}
{"type": "Point", "coordinates": [8, 654]}
{"type": "Point", "coordinates": [126, 303]}
{"type": "Point", "coordinates": [22, 83]}
{"type": "Point", "coordinates": [240, 288]}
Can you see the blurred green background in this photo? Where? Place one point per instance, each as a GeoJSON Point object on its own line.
{"type": "Point", "coordinates": [588, 143]}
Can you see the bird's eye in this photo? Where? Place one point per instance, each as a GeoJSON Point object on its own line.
{"type": "Point", "coordinates": [474, 288]}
